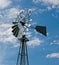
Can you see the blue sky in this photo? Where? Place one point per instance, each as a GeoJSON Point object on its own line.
{"type": "Point", "coordinates": [42, 50]}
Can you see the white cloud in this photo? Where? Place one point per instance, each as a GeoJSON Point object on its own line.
{"type": "Point", "coordinates": [52, 55]}
{"type": "Point", "coordinates": [49, 8]}
{"type": "Point", "coordinates": [41, 10]}
{"type": "Point", "coordinates": [34, 42]}
{"type": "Point", "coordinates": [4, 3]}
{"type": "Point", "coordinates": [36, 1]}
{"type": "Point", "coordinates": [11, 13]}
{"type": "Point", "coordinates": [55, 42]}
{"type": "Point", "coordinates": [6, 35]}
{"type": "Point", "coordinates": [54, 3]}
{"type": "Point", "coordinates": [36, 10]}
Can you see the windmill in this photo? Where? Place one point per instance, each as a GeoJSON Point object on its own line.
{"type": "Point", "coordinates": [19, 29]}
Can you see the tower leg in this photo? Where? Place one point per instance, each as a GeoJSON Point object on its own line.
{"type": "Point", "coordinates": [23, 54]}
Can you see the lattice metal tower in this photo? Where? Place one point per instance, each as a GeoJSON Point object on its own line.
{"type": "Point", "coordinates": [20, 27]}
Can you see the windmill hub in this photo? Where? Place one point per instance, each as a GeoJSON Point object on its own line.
{"type": "Point", "coordinates": [22, 23]}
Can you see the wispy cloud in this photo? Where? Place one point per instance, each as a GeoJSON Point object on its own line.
{"type": "Point", "coordinates": [53, 2]}
{"type": "Point", "coordinates": [6, 36]}
{"type": "Point", "coordinates": [34, 42]}
{"type": "Point", "coordinates": [55, 42]}
{"type": "Point", "coordinates": [9, 15]}
{"type": "Point", "coordinates": [52, 55]}
{"type": "Point", "coordinates": [12, 12]}
{"type": "Point", "coordinates": [49, 3]}
{"type": "Point", "coordinates": [4, 3]}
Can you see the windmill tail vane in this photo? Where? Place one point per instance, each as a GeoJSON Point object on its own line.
{"type": "Point", "coordinates": [41, 29]}
{"type": "Point", "coordinates": [19, 28]}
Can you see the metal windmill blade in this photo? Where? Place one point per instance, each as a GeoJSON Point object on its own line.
{"type": "Point", "coordinates": [41, 29]}
{"type": "Point", "coordinates": [15, 23]}
{"type": "Point", "coordinates": [15, 30]}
